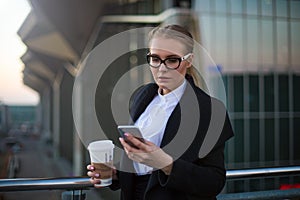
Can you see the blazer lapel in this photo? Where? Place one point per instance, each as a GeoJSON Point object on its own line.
{"type": "Point", "coordinates": [175, 118]}
{"type": "Point", "coordinates": [141, 100]}
{"type": "Point", "coordinates": [172, 126]}
{"type": "Point", "coordinates": [184, 125]}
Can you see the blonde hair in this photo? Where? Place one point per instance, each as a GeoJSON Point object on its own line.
{"type": "Point", "coordinates": [184, 36]}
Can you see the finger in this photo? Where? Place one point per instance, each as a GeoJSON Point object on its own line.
{"type": "Point", "coordinates": [148, 143]}
{"type": "Point", "coordinates": [98, 186]}
{"type": "Point", "coordinates": [93, 174]}
{"type": "Point", "coordinates": [135, 141]}
{"type": "Point", "coordinates": [95, 181]}
{"type": "Point", "coordinates": [114, 169]}
{"type": "Point", "coordinates": [124, 144]}
{"type": "Point", "coordinates": [127, 147]}
{"type": "Point", "coordinates": [90, 174]}
{"type": "Point", "coordinates": [122, 141]}
{"type": "Point", "coordinates": [90, 167]}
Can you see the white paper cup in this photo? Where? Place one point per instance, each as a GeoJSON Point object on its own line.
{"type": "Point", "coordinates": [101, 154]}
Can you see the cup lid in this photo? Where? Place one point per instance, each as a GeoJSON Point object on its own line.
{"type": "Point", "coordinates": [101, 145]}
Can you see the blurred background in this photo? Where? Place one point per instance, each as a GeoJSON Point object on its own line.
{"type": "Point", "coordinates": [255, 45]}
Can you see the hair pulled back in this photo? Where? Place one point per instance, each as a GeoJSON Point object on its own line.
{"type": "Point", "coordinates": [180, 34]}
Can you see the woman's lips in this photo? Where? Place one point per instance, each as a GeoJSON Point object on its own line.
{"type": "Point", "coordinates": [163, 78]}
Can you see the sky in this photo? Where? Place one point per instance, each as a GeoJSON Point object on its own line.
{"type": "Point", "coordinates": [12, 89]}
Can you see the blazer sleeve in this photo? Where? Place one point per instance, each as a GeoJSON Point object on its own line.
{"type": "Point", "coordinates": [203, 177]}
{"type": "Point", "coordinates": [200, 177]}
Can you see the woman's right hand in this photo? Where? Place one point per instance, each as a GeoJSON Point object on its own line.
{"type": "Point", "coordinates": [95, 175]}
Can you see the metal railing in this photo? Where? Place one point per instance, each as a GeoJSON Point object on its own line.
{"type": "Point", "coordinates": [26, 184]}
{"type": "Point", "coordinates": [262, 172]}
{"type": "Point", "coordinates": [83, 183]}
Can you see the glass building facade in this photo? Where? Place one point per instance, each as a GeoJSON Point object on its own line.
{"type": "Point", "coordinates": [256, 43]}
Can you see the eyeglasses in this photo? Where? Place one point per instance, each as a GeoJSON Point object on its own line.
{"type": "Point", "coordinates": [170, 63]}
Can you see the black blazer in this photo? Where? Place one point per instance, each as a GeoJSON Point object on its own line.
{"type": "Point", "coordinates": [194, 175]}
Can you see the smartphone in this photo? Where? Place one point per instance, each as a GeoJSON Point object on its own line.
{"type": "Point", "coordinates": [134, 130]}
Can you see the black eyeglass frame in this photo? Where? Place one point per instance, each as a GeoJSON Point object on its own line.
{"type": "Point", "coordinates": [180, 59]}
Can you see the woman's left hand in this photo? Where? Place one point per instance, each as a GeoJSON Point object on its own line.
{"type": "Point", "coordinates": [147, 153]}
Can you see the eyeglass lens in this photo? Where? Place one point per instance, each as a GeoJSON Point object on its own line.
{"type": "Point", "coordinates": [155, 61]}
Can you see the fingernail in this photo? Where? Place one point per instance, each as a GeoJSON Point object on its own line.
{"type": "Point", "coordinates": [126, 134]}
{"type": "Point", "coordinates": [97, 175]}
{"type": "Point", "coordinates": [92, 168]}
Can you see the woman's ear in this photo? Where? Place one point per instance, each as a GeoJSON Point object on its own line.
{"type": "Point", "coordinates": [190, 61]}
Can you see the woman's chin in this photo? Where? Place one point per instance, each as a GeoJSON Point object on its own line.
{"type": "Point", "coordinates": [165, 88]}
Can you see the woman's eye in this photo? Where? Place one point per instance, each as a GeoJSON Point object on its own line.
{"type": "Point", "coordinates": [154, 59]}
{"type": "Point", "coordinates": [172, 60]}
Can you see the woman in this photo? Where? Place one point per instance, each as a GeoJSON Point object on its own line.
{"type": "Point", "coordinates": [167, 111]}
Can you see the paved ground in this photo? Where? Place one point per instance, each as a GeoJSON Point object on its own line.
{"type": "Point", "coordinates": [36, 162]}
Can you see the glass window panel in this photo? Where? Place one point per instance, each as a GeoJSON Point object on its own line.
{"type": "Point", "coordinates": [269, 93]}
{"type": "Point", "coordinates": [254, 184]}
{"type": "Point", "coordinates": [270, 183]}
{"type": "Point", "coordinates": [296, 93]}
{"type": "Point", "coordinates": [254, 141]}
{"type": "Point", "coordinates": [202, 5]}
{"type": "Point", "coordinates": [285, 180]}
{"type": "Point", "coordinates": [296, 139]}
{"type": "Point", "coordinates": [253, 93]}
{"type": "Point", "coordinates": [230, 92]}
{"type": "Point", "coordinates": [252, 7]}
{"type": "Point", "coordinates": [252, 43]}
{"type": "Point", "coordinates": [267, 6]}
{"type": "Point", "coordinates": [284, 139]}
{"type": "Point", "coordinates": [225, 82]}
{"type": "Point", "coordinates": [267, 44]}
{"type": "Point", "coordinates": [281, 8]}
{"type": "Point", "coordinates": [295, 32]}
{"type": "Point", "coordinates": [237, 43]}
{"type": "Point", "coordinates": [269, 142]}
{"type": "Point", "coordinates": [297, 178]}
{"type": "Point", "coordinates": [283, 87]}
{"type": "Point", "coordinates": [205, 32]}
{"type": "Point", "coordinates": [221, 6]}
{"type": "Point", "coordinates": [239, 186]}
{"type": "Point", "coordinates": [230, 186]}
{"type": "Point", "coordinates": [295, 8]}
{"type": "Point", "coordinates": [221, 40]}
{"type": "Point", "coordinates": [239, 140]}
{"type": "Point", "coordinates": [236, 6]}
{"type": "Point", "coordinates": [282, 44]}
{"type": "Point", "coordinates": [238, 94]}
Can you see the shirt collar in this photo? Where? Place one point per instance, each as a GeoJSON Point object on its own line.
{"type": "Point", "coordinates": [173, 96]}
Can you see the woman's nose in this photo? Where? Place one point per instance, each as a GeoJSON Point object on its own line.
{"type": "Point", "coordinates": [162, 67]}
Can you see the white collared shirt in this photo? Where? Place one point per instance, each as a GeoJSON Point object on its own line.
{"type": "Point", "coordinates": [153, 120]}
